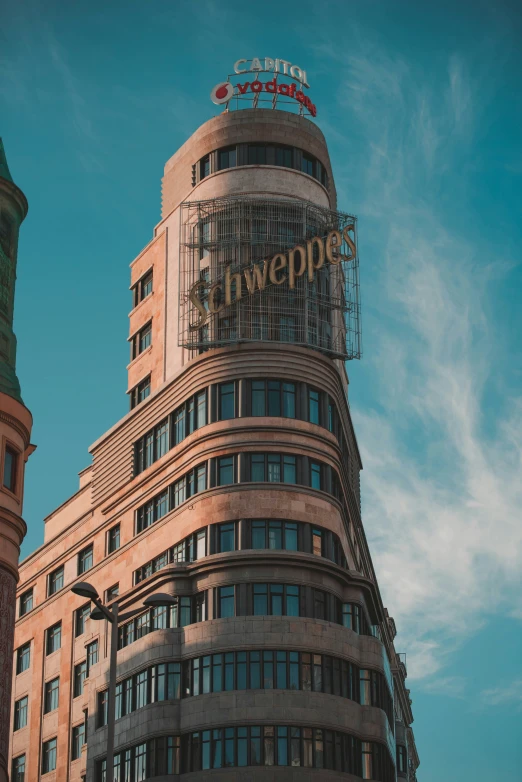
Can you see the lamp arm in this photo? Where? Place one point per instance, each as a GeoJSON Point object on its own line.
{"type": "Point", "coordinates": [107, 614]}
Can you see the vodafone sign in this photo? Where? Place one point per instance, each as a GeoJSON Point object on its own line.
{"type": "Point", "coordinates": [223, 92]}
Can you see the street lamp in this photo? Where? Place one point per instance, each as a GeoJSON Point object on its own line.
{"type": "Point", "coordinates": [102, 612]}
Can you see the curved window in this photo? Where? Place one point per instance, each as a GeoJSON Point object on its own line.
{"type": "Point", "coordinates": [274, 534]}
{"type": "Point", "coordinates": [252, 745]}
{"type": "Point", "coordinates": [186, 610]}
{"type": "Point", "coordinates": [260, 154]}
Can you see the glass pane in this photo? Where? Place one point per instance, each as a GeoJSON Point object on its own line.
{"type": "Point", "coordinates": [259, 534]}
{"type": "Point", "coordinates": [258, 397]}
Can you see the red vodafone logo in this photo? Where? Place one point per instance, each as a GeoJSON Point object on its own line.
{"type": "Point", "coordinates": [222, 93]}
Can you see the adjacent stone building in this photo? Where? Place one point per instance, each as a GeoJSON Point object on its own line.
{"type": "Point", "coordinates": [232, 486]}
{"type": "Point", "coordinates": [15, 448]}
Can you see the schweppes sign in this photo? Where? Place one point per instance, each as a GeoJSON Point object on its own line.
{"type": "Point", "coordinates": [283, 268]}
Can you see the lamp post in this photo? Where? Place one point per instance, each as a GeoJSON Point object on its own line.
{"type": "Point", "coordinates": [102, 612]}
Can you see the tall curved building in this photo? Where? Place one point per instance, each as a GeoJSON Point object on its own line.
{"type": "Point", "coordinates": [231, 489]}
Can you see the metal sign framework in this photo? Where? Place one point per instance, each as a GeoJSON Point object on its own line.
{"type": "Point", "coordinates": [238, 232]}
{"type": "Point", "coordinates": [263, 99]}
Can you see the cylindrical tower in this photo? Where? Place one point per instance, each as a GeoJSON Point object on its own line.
{"type": "Point", "coordinates": [273, 652]}
{"type": "Point", "coordinates": [15, 433]}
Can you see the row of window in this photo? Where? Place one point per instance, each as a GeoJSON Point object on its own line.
{"type": "Point", "coordinates": [239, 468]}
{"type": "Point", "coordinates": [249, 600]}
{"type": "Point", "coordinates": [260, 154]}
{"type": "Point", "coordinates": [275, 534]}
{"type": "Point", "coordinates": [261, 398]}
{"type": "Point", "coordinates": [252, 670]}
{"type": "Point", "coordinates": [49, 753]}
{"type": "Point", "coordinates": [255, 745]}
{"type": "Point", "coordinates": [55, 579]}
{"type": "Point", "coordinates": [52, 687]}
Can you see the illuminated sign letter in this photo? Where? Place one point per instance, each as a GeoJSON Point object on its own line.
{"type": "Point", "coordinates": [277, 263]}
{"type": "Point", "coordinates": [349, 241]}
{"type": "Point", "coordinates": [256, 65]}
{"type": "Point", "coordinates": [292, 271]}
{"type": "Point", "coordinates": [256, 276]}
{"type": "Point", "coordinates": [237, 69]}
{"type": "Point", "coordinates": [198, 304]}
{"type": "Point", "coordinates": [333, 256]}
{"type": "Point", "coordinates": [310, 252]}
{"type": "Point", "coordinates": [228, 286]}
{"type": "Point", "coordinates": [211, 304]}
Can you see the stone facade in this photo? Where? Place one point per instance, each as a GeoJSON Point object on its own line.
{"type": "Point", "coordinates": [15, 447]}
{"type": "Point", "coordinates": [147, 560]}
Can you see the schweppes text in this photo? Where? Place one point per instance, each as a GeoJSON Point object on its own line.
{"type": "Point", "coordinates": [303, 259]}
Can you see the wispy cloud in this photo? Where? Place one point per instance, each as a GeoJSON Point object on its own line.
{"type": "Point", "coordinates": [442, 487]}
{"type": "Point", "coordinates": [501, 696]}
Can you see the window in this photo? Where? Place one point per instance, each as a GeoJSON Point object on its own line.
{"type": "Point", "coordinates": [317, 542]}
{"type": "Point", "coordinates": [49, 756]}
{"type": "Point", "coordinates": [142, 289]}
{"type": "Point", "coordinates": [55, 581]}
{"type": "Point", "coordinates": [185, 611]}
{"type": "Point", "coordinates": [54, 638]}
{"type": "Point", "coordinates": [307, 164]}
{"type": "Point", "coordinates": [51, 695]}
{"type": "Point", "coordinates": [20, 713]}
{"type": "Point", "coordinates": [140, 392]}
{"type": "Point", "coordinates": [191, 483]}
{"type": "Point", "coordinates": [18, 773]}
{"type": "Point", "coordinates": [402, 759]}
{"type": "Point", "coordinates": [226, 605]}
{"type": "Point", "coordinates": [315, 475]}
{"type": "Point", "coordinates": [78, 740]}
{"type": "Point", "coordinates": [283, 745]}
{"type": "Point", "coordinates": [273, 397]}
{"type": "Point", "coordinates": [26, 602]}
{"type": "Point", "coordinates": [227, 158]}
{"type": "Point", "coordinates": [141, 341]}
{"type": "Point", "coordinates": [81, 616]}
{"type": "Point", "coordinates": [226, 401]}
{"type": "Point", "coordinates": [313, 406]}
{"type": "Point", "coordinates": [225, 470]}
{"type": "Point", "coordinates": [226, 537]}
{"type": "Point", "coordinates": [284, 156]}
{"type": "Point", "coordinates": [10, 464]}
{"type": "Point", "coordinates": [275, 600]}
{"type": "Point", "coordinates": [23, 658]}
{"type": "Point", "coordinates": [113, 539]}
{"type": "Point", "coordinates": [151, 446]}
{"type": "Point", "coordinates": [273, 467]}
{"type": "Point", "coordinates": [112, 593]}
{"type": "Point", "coordinates": [156, 757]}
{"type": "Point", "coordinates": [92, 655]}
{"type": "Point", "coordinates": [85, 560]}
{"type": "Point", "coordinates": [274, 534]}
{"type": "Point", "coordinates": [256, 154]}
{"type": "Point", "coordinates": [204, 167]}
{"type": "Point", "coordinates": [80, 674]}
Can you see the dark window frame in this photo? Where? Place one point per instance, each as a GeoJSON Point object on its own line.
{"type": "Point", "coordinates": [53, 632]}
{"type": "Point", "coordinates": [25, 598]}
{"type": "Point", "coordinates": [51, 694]}
{"type": "Point", "coordinates": [83, 558]}
{"type": "Point", "coordinates": [23, 654]}
{"type": "Point", "coordinates": [55, 580]}
{"type": "Point", "coordinates": [112, 533]}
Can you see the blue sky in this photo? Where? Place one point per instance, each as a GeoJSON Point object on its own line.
{"type": "Point", "coordinates": [421, 107]}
